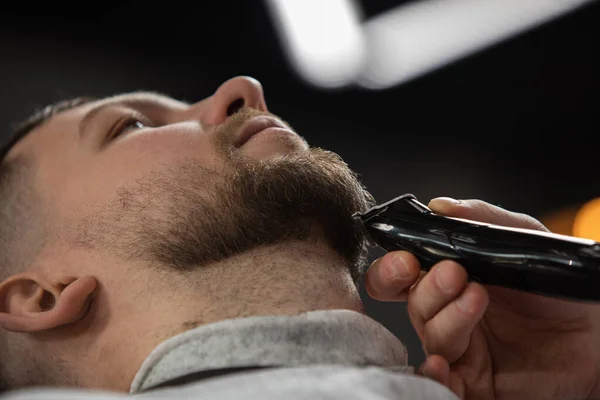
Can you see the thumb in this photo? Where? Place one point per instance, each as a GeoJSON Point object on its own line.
{"type": "Point", "coordinates": [390, 277]}
{"type": "Point", "coordinates": [478, 210]}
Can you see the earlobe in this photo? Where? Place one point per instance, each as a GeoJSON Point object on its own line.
{"type": "Point", "coordinates": [30, 304]}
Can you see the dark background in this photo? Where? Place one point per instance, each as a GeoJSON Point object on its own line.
{"type": "Point", "coordinates": [515, 125]}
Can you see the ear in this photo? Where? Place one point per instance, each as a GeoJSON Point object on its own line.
{"type": "Point", "coordinates": [31, 303]}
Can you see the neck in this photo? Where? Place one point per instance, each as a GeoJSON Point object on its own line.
{"type": "Point", "coordinates": [282, 279]}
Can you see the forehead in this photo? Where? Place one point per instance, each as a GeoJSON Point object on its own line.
{"type": "Point", "coordinates": [69, 120]}
{"type": "Point", "coordinates": [136, 99]}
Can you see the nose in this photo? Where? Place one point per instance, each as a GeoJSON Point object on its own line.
{"type": "Point", "coordinates": [238, 92]}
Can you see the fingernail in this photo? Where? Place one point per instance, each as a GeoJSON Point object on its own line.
{"type": "Point", "coordinates": [444, 279]}
{"type": "Point", "coordinates": [446, 200]}
{"type": "Point", "coordinates": [400, 267]}
{"type": "Point", "coordinates": [466, 302]}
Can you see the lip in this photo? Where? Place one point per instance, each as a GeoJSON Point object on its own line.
{"type": "Point", "coordinates": [256, 125]}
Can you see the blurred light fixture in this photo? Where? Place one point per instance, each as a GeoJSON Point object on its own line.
{"type": "Point", "coordinates": [328, 47]}
{"type": "Point", "coordinates": [587, 221]}
{"type": "Point", "coordinates": [422, 36]}
{"type": "Point", "coordinates": [580, 220]}
{"type": "Point", "coordinates": [322, 38]}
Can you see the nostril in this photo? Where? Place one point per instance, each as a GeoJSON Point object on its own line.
{"type": "Point", "coordinates": [234, 107]}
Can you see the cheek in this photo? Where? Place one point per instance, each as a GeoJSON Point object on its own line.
{"type": "Point", "coordinates": [134, 157]}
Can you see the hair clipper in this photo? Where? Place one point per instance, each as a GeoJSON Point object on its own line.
{"type": "Point", "coordinates": [523, 259]}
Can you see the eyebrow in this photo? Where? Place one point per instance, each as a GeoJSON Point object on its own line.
{"type": "Point", "coordinates": [86, 121]}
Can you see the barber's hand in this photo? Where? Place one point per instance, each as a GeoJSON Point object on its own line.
{"type": "Point", "coordinates": [488, 342]}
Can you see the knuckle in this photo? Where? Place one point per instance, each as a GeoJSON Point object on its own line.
{"type": "Point", "coordinates": [411, 306]}
{"type": "Point", "coordinates": [414, 309]}
{"type": "Point", "coordinates": [432, 341]}
{"type": "Point", "coordinates": [447, 344]}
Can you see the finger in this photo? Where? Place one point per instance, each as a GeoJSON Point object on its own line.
{"type": "Point", "coordinates": [437, 368]}
{"type": "Point", "coordinates": [478, 210]}
{"type": "Point", "coordinates": [434, 291]}
{"type": "Point", "coordinates": [390, 277]}
{"type": "Point", "coordinates": [448, 333]}
{"type": "Point", "coordinates": [457, 384]}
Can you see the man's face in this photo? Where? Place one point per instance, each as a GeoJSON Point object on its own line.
{"type": "Point", "coordinates": [146, 178]}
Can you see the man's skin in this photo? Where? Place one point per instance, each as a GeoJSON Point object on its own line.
{"type": "Point", "coordinates": [173, 224]}
{"type": "Point", "coordinates": [168, 226]}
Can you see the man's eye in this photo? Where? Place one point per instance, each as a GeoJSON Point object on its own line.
{"type": "Point", "coordinates": [134, 124]}
{"type": "Point", "coordinates": [130, 124]}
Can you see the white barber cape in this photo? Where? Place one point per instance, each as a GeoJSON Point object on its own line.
{"type": "Point", "coordinates": [333, 354]}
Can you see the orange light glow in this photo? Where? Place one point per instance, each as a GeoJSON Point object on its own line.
{"type": "Point", "coordinates": [587, 221]}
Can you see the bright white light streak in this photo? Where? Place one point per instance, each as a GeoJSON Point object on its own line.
{"type": "Point", "coordinates": [321, 38]}
{"type": "Point", "coordinates": [419, 37]}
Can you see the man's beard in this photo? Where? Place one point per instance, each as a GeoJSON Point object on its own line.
{"type": "Point", "coordinates": [187, 215]}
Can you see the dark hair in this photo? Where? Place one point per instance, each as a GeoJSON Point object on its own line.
{"type": "Point", "coordinates": [17, 201]}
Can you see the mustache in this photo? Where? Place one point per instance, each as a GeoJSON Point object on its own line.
{"type": "Point", "coordinates": [225, 134]}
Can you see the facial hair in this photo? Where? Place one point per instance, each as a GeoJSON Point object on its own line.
{"type": "Point", "coordinates": [187, 215]}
